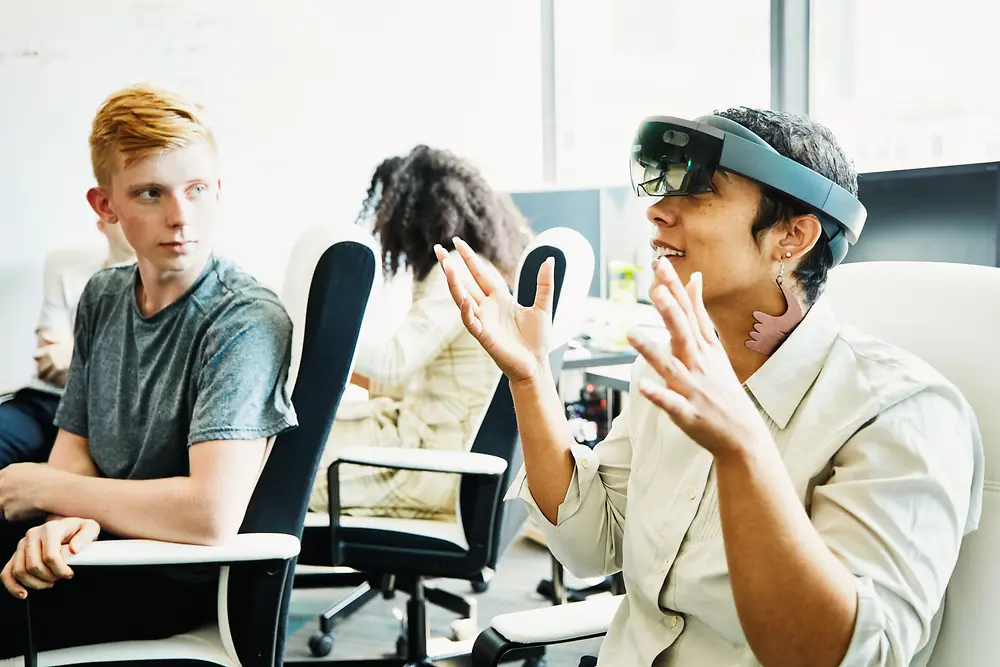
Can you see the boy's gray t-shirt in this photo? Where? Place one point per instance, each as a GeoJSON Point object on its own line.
{"type": "Point", "coordinates": [212, 365]}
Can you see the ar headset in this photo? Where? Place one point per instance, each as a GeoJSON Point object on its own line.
{"type": "Point", "coordinates": [676, 157]}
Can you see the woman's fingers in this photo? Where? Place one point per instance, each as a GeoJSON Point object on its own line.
{"type": "Point", "coordinates": [666, 365]}
{"type": "Point", "coordinates": [484, 281]}
{"type": "Point", "coordinates": [546, 285]}
{"type": "Point", "coordinates": [668, 400]}
{"type": "Point", "coordinates": [470, 318]}
{"type": "Point", "coordinates": [682, 340]}
{"type": "Point", "coordinates": [696, 291]}
{"type": "Point", "coordinates": [665, 274]}
{"type": "Point", "coordinates": [456, 284]}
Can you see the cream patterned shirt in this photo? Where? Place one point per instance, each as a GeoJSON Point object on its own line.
{"type": "Point", "coordinates": [435, 370]}
{"type": "Point", "coordinates": [884, 453]}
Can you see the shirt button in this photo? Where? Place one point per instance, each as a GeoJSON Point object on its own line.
{"type": "Point", "coordinates": [692, 494]}
{"type": "Point", "coordinates": [585, 463]}
{"type": "Point", "coordinates": [673, 622]}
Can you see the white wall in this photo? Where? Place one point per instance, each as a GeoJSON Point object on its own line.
{"type": "Point", "coordinates": [306, 97]}
{"type": "Point", "coordinates": [618, 61]}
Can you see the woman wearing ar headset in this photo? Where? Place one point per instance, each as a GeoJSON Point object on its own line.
{"type": "Point", "coordinates": [780, 489]}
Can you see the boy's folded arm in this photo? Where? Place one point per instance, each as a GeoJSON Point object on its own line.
{"type": "Point", "coordinates": [71, 452]}
{"type": "Point", "coordinates": [206, 507]}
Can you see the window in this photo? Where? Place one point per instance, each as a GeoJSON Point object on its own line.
{"type": "Point", "coordinates": [617, 61]}
{"type": "Point", "coordinates": [904, 86]}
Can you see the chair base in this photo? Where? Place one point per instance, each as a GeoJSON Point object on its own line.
{"type": "Point", "coordinates": [413, 645]}
{"type": "Point", "coordinates": [557, 594]}
{"type": "Point", "coordinates": [556, 591]}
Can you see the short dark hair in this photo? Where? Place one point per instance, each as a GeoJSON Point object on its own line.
{"type": "Point", "coordinates": [809, 143]}
{"type": "Point", "coordinates": [431, 196]}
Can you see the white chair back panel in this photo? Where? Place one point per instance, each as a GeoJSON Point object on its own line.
{"type": "Point", "coordinates": [576, 283]}
{"type": "Point", "coordinates": [947, 314]}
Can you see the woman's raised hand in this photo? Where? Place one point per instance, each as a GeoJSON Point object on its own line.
{"type": "Point", "coordinates": [516, 337]}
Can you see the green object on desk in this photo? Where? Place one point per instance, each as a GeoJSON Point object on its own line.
{"type": "Point", "coordinates": [622, 293]}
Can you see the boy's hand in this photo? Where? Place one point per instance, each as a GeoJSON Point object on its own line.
{"type": "Point", "coordinates": [20, 484]}
{"type": "Point", "coordinates": [40, 559]}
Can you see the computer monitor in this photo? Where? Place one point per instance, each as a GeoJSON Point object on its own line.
{"type": "Point", "coordinates": [578, 209]}
{"type": "Point", "coordinates": [939, 214]}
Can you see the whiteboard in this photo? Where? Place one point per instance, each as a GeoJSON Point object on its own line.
{"type": "Point", "coordinates": [305, 96]}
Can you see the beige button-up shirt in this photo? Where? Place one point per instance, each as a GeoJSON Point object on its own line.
{"type": "Point", "coordinates": [884, 452]}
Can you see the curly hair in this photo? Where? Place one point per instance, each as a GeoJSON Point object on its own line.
{"type": "Point", "coordinates": [431, 196]}
{"type": "Point", "coordinates": [813, 145]}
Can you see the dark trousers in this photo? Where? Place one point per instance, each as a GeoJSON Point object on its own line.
{"type": "Point", "coordinates": [26, 429]}
{"type": "Point", "coordinates": [101, 605]}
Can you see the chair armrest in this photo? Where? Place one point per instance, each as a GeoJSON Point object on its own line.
{"type": "Point", "coordinates": [542, 627]}
{"type": "Point", "coordinates": [561, 623]}
{"type": "Point", "coordinates": [242, 548]}
{"type": "Point", "coordinates": [430, 460]}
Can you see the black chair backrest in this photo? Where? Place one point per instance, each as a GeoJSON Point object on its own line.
{"type": "Point", "coordinates": [498, 434]}
{"type": "Point", "coordinates": [338, 296]}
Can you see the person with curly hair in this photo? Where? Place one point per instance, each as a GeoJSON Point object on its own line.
{"type": "Point", "coordinates": [429, 382]}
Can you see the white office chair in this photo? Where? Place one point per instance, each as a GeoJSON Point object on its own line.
{"type": "Point", "coordinates": [328, 283]}
{"type": "Point", "coordinates": [409, 551]}
{"type": "Point", "coordinates": [947, 314]}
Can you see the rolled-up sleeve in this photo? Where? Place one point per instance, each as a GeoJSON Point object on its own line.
{"type": "Point", "coordinates": [590, 526]}
{"type": "Point", "coordinates": [905, 490]}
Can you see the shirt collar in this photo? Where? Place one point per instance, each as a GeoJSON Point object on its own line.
{"type": "Point", "coordinates": [782, 382]}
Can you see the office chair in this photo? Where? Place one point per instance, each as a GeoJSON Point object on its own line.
{"type": "Point", "coordinates": [889, 300]}
{"type": "Point", "coordinates": [391, 554]}
{"type": "Point", "coordinates": [328, 282]}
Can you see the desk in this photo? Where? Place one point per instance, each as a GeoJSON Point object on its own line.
{"type": "Point", "coordinates": [585, 357]}
{"type": "Point", "coordinates": [615, 378]}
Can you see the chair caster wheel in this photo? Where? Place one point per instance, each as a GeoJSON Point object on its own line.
{"type": "Point", "coordinates": [320, 645]}
{"type": "Point", "coordinates": [480, 586]}
{"type": "Point", "coordinates": [535, 662]}
{"type": "Point", "coordinates": [402, 646]}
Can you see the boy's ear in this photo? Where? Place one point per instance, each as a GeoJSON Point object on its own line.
{"type": "Point", "coordinates": [99, 201]}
